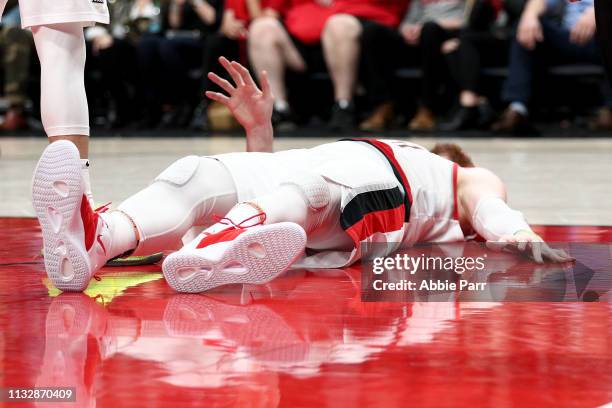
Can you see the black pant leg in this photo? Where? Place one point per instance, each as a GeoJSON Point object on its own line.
{"type": "Point", "coordinates": [434, 64]}
{"type": "Point", "coordinates": [603, 15]}
{"type": "Point", "coordinates": [215, 46]}
{"type": "Point", "coordinates": [381, 50]}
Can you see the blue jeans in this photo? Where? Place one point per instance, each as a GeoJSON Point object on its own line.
{"type": "Point", "coordinates": [556, 48]}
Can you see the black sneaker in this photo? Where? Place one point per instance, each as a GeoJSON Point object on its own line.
{"type": "Point", "coordinates": [342, 118]}
{"type": "Point", "coordinates": [464, 118]}
{"type": "Point", "coordinates": [487, 115]}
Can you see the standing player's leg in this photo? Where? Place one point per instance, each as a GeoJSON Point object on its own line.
{"type": "Point", "coordinates": [64, 111]}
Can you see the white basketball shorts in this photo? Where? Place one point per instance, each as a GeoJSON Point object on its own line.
{"type": "Point", "coordinates": [47, 12]}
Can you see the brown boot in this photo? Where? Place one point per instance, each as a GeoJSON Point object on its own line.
{"type": "Point", "coordinates": [380, 119]}
{"type": "Point", "coordinates": [603, 121]}
{"type": "Point", "coordinates": [423, 120]}
{"type": "Point", "coordinates": [13, 120]}
{"type": "Point", "coordinates": [512, 122]}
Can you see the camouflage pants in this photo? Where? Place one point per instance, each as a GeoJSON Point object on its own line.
{"type": "Point", "coordinates": [16, 48]}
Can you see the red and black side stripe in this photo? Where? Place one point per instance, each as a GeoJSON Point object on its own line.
{"type": "Point", "coordinates": [380, 210]}
{"type": "Point", "coordinates": [373, 211]}
{"type": "Point", "coordinates": [387, 151]}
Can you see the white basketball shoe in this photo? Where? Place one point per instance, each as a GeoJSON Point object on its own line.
{"type": "Point", "coordinates": [75, 237]}
{"type": "Point", "coordinates": [254, 254]}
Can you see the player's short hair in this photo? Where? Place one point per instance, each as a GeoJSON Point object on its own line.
{"type": "Point", "coordinates": [454, 153]}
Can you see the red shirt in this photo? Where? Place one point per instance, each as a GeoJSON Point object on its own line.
{"type": "Point", "coordinates": [304, 19]}
{"type": "Point", "coordinates": [240, 9]}
{"type": "Point", "coordinates": [386, 12]}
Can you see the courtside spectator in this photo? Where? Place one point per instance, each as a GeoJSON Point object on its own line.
{"type": "Point", "coordinates": [549, 31]}
{"type": "Point", "coordinates": [230, 42]}
{"type": "Point", "coordinates": [422, 39]}
{"type": "Point", "coordinates": [287, 37]}
{"type": "Point", "coordinates": [166, 61]}
{"type": "Point", "coordinates": [342, 48]}
{"type": "Point", "coordinates": [483, 42]}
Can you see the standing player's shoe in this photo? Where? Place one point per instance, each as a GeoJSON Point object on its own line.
{"type": "Point", "coordinates": [254, 254]}
{"type": "Point", "coordinates": [75, 237]}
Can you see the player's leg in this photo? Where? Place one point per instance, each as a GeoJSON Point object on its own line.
{"type": "Point", "coordinates": [64, 110]}
{"type": "Point", "coordinates": [78, 241]}
{"type": "Point", "coordinates": [257, 240]}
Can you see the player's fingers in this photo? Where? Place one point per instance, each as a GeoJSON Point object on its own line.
{"type": "Point", "coordinates": [219, 97]}
{"type": "Point", "coordinates": [265, 84]}
{"type": "Point", "coordinates": [522, 245]}
{"type": "Point", "coordinates": [555, 256]}
{"type": "Point", "coordinates": [536, 251]}
{"type": "Point", "coordinates": [244, 74]}
{"type": "Point", "coordinates": [564, 255]}
{"type": "Point", "coordinates": [232, 71]}
{"type": "Point", "coordinates": [224, 84]}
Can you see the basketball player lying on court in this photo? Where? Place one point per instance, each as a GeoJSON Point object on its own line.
{"type": "Point", "coordinates": [320, 207]}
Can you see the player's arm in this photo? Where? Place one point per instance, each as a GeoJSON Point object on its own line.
{"type": "Point", "coordinates": [251, 106]}
{"type": "Point", "coordinates": [482, 196]}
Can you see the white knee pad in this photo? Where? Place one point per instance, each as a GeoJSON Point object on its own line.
{"type": "Point", "coordinates": [180, 172]}
{"type": "Point", "coordinates": [314, 188]}
{"type": "Point", "coordinates": [63, 102]}
{"type": "Point", "coordinates": [187, 190]}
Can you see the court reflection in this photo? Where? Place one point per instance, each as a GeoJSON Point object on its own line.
{"type": "Point", "coordinates": [307, 338]}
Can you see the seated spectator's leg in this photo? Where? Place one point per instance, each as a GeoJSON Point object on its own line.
{"type": "Point", "coordinates": [517, 89]}
{"type": "Point", "coordinates": [466, 64]}
{"type": "Point", "coordinates": [434, 67]}
{"type": "Point", "coordinates": [383, 47]}
{"type": "Point", "coordinates": [341, 46]}
{"type": "Point", "coordinates": [271, 50]}
{"type": "Point", "coordinates": [180, 56]}
{"type": "Point", "coordinates": [341, 49]}
{"type": "Point", "coordinates": [467, 69]}
{"type": "Point", "coordinates": [215, 46]}
{"type": "Point", "coordinates": [559, 44]}
{"type": "Point", "coordinates": [603, 15]}
{"type": "Point", "coordinates": [17, 49]}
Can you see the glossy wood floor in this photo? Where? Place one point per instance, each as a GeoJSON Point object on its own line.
{"type": "Point", "coordinates": [305, 339]}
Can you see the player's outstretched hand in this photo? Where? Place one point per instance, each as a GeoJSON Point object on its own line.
{"type": "Point", "coordinates": [251, 106]}
{"type": "Point", "coordinates": [532, 245]}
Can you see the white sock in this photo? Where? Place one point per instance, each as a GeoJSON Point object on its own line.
{"type": "Point", "coordinates": [123, 235]}
{"type": "Point", "coordinates": [344, 103]}
{"type": "Point", "coordinates": [519, 107]}
{"type": "Point", "coordinates": [87, 180]}
{"type": "Point", "coordinates": [281, 106]}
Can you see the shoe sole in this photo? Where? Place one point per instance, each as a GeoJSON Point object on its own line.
{"type": "Point", "coordinates": [57, 191]}
{"type": "Point", "coordinates": [256, 256]}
